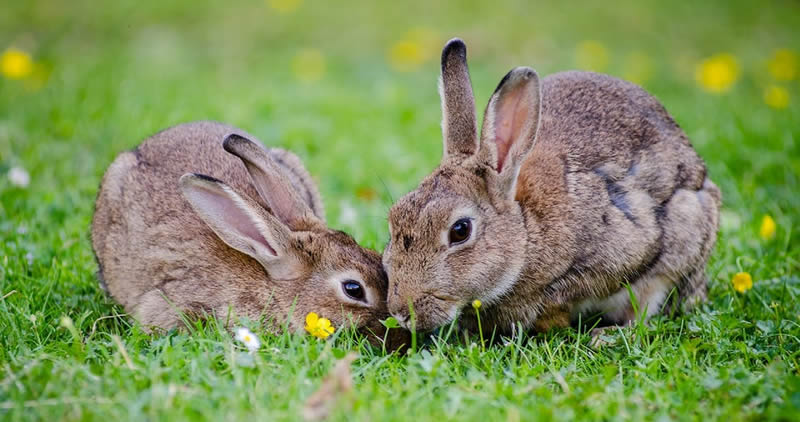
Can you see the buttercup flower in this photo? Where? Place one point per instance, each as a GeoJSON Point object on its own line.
{"type": "Point", "coordinates": [15, 64]}
{"type": "Point", "coordinates": [718, 73]}
{"type": "Point", "coordinates": [638, 67]}
{"type": "Point", "coordinates": [776, 97]}
{"type": "Point", "coordinates": [767, 230]}
{"type": "Point", "coordinates": [783, 65]}
{"type": "Point", "coordinates": [405, 56]}
{"type": "Point", "coordinates": [284, 6]}
{"type": "Point", "coordinates": [308, 65]}
{"type": "Point", "coordinates": [248, 339]}
{"type": "Point", "coordinates": [742, 282]}
{"type": "Point", "coordinates": [591, 55]}
{"type": "Point", "coordinates": [318, 327]}
{"type": "Point", "coordinates": [416, 48]}
{"type": "Point", "coordinates": [476, 304]}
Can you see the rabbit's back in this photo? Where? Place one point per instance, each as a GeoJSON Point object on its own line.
{"type": "Point", "coordinates": [148, 241]}
{"type": "Point", "coordinates": [598, 123]}
{"type": "Point", "coordinates": [608, 165]}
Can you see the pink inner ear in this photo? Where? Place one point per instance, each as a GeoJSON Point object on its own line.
{"type": "Point", "coordinates": [509, 119]}
{"type": "Point", "coordinates": [242, 223]}
{"type": "Point", "coordinates": [223, 212]}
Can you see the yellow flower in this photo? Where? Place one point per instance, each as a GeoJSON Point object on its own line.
{"type": "Point", "coordinates": [318, 327]}
{"type": "Point", "coordinates": [591, 55]}
{"type": "Point", "coordinates": [308, 65]}
{"type": "Point", "coordinates": [15, 64]}
{"type": "Point", "coordinates": [742, 282]}
{"type": "Point", "coordinates": [476, 304]}
{"type": "Point", "coordinates": [405, 56]}
{"type": "Point", "coordinates": [767, 230]}
{"type": "Point", "coordinates": [284, 6]}
{"type": "Point", "coordinates": [776, 96]}
{"type": "Point", "coordinates": [411, 52]}
{"type": "Point", "coordinates": [718, 73]}
{"type": "Point", "coordinates": [783, 65]}
{"type": "Point", "coordinates": [638, 67]}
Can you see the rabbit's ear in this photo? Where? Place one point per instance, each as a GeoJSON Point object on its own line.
{"type": "Point", "coordinates": [275, 188]}
{"type": "Point", "coordinates": [459, 122]}
{"type": "Point", "coordinates": [239, 222]}
{"type": "Point", "coordinates": [510, 125]}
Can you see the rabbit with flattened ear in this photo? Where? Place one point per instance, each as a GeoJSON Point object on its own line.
{"type": "Point", "coordinates": [172, 238]}
{"type": "Point", "coordinates": [579, 185]}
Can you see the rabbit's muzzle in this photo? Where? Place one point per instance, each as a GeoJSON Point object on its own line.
{"type": "Point", "coordinates": [394, 339]}
{"type": "Point", "coordinates": [423, 313]}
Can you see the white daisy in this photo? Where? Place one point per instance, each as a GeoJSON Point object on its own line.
{"type": "Point", "coordinates": [348, 216]}
{"type": "Point", "coordinates": [19, 177]}
{"type": "Point", "coordinates": [248, 338]}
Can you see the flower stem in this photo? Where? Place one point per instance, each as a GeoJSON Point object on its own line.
{"type": "Point", "coordinates": [480, 327]}
{"type": "Point", "coordinates": [412, 327]}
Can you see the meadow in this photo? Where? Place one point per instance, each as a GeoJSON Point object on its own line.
{"type": "Point", "coordinates": [351, 88]}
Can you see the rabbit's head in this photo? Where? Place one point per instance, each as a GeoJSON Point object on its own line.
{"type": "Point", "coordinates": [460, 235]}
{"type": "Point", "coordinates": [307, 266]}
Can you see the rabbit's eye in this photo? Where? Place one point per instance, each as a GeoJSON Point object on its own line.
{"type": "Point", "coordinates": [460, 231]}
{"type": "Point", "coordinates": [353, 289]}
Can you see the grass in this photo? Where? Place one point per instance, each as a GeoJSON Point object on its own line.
{"type": "Point", "coordinates": [118, 72]}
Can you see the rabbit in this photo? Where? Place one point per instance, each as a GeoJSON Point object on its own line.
{"type": "Point", "coordinates": [169, 241]}
{"type": "Point", "coordinates": [579, 185]}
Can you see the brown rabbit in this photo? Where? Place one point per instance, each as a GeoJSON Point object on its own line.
{"type": "Point", "coordinates": [578, 186]}
{"type": "Point", "coordinates": [168, 242]}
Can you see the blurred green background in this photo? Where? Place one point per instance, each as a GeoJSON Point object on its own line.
{"type": "Point", "coordinates": [351, 88]}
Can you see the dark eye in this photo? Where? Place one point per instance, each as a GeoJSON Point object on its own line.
{"type": "Point", "coordinates": [460, 231]}
{"type": "Point", "coordinates": [353, 289]}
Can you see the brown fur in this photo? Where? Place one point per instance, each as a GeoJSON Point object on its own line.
{"type": "Point", "coordinates": [610, 193]}
{"type": "Point", "coordinates": [159, 258]}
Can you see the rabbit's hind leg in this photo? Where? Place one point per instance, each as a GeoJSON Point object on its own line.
{"type": "Point", "coordinates": [691, 244]}
{"type": "Point", "coordinates": [688, 222]}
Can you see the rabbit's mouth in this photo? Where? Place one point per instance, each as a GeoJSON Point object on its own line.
{"type": "Point", "coordinates": [432, 311]}
{"type": "Point", "coordinates": [395, 339]}
{"type": "Point", "coordinates": [444, 297]}
{"type": "Point", "coordinates": [424, 310]}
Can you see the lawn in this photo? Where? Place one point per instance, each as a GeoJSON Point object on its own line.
{"type": "Point", "coordinates": [351, 88]}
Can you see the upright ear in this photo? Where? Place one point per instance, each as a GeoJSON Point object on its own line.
{"type": "Point", "coordinates": [270, 182]}
{"type": "Point", "coordinates": [459, 123]}
{"type": "Point", "coordinates": [239, 222]}
{"type": "Point", "coordinates": [510, 125]}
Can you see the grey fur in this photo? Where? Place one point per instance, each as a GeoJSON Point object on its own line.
{"type": "Point", "coordinates": [459, 124]}
{"type": "Point", "coordinates": [160, 258]}
{"type": "Point", "coordinates": [609, 192]}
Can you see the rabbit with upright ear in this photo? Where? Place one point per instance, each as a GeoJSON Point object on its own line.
{"type": "Point", "coordinates": [579, 185]}
{"type": "Point", "coordinates": [171, 238]}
